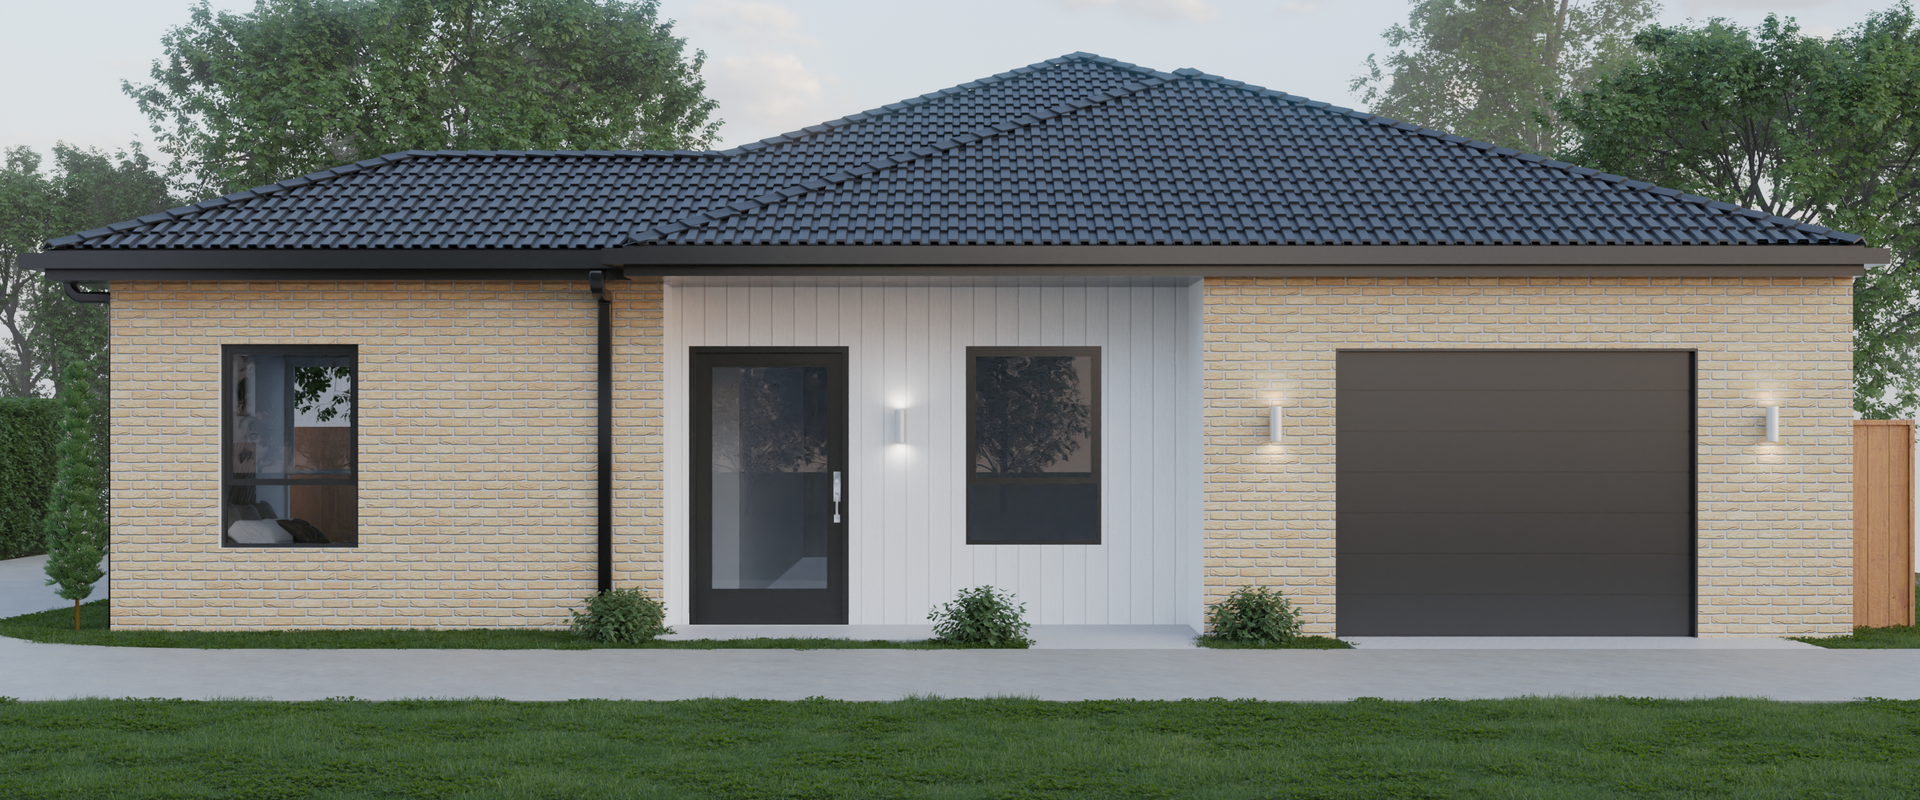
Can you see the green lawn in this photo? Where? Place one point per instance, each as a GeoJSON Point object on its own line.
{"type": "Point", "coordinates": [446, 750]}
{"type": "Point", "coordinates": [56, 626]}
{"type": "Point", "coordinates": [1904, 637]}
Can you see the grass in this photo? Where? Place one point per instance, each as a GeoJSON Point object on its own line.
{"type": "Point", "coordinates": [1899, 637]}
{"type": "Point", "coordinates": [930, 748]}
{"type": "Point", "coordinates": [55, 626]}
{"type": "Point", "coordinates": [1297, 643]}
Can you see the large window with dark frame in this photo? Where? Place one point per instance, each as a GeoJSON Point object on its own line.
{"type": "Point", "coordinates": [1033, 445]}
{"type": "Point", "coordinates": [289, 476]}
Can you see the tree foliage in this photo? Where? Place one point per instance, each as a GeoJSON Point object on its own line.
{"type": "Point", "coordinates": [85, 189]}
{"type": "Point", "coordinates": [76, 526]}
{"type": "Point", "coordinates": [1824, 131]}
{"type": "Point", "coordinates": [1029, 415]}
{"type": "Point", "coordinates": [296, 86]}
{"type": "Point", "coordinates": [1491, 70]}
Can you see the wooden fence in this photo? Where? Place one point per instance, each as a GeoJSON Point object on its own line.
{"type": "Point", "coordinates": [1882, 523]}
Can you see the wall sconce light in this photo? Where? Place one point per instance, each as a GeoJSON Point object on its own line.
{"type": "Point", "coordinates": [1773, 424]}
{"type": "Point", "coordinates": [898, 423]}
{"type": "Point", "coordinates": [1274, 423]}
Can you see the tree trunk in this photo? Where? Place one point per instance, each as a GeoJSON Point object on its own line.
{"type": "Point", "coordinates": [76, 615]}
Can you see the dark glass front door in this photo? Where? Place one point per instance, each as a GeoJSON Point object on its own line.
{"type": "Point", "coordinates": [770, 486]}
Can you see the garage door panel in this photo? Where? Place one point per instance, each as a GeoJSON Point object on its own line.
{"type": "Point", "coordinates": [1512, 492]}
{"type": "Point", "coordinates": [1512, 411]}
{"type": "Point", "coordinates": [1670, 533]}
{"type": "Point", "coordinates": [1511, 451]}
{"type": "Point", "coordinates": [1514, 615]}
{"type": "Point", "coordinates": [1511, 573]}
{"type": "Point", "coordinates": [1413, 370]}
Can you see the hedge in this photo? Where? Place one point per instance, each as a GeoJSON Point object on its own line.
{"type": "Point", "coordinates": [29, 435]}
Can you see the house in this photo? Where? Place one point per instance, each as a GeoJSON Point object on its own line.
{"type": "Point", "coordinates": [1113, 339]}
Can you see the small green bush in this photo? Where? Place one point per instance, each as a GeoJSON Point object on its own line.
{"type": "Point", "coordinates": [982, 617]}
{"type": "Point", "coordinates": [1255, 615]}
{"type": "Point", "coordinates": [621, 616]}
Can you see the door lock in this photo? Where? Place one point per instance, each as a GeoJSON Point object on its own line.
{"type": "Point", "coordinates": [836, 496]}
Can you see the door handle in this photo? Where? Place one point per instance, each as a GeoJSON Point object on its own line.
{"type": "Point", "coordinates": [836, 496]}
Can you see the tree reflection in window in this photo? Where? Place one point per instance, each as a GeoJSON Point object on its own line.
{"type": "Point", "coordinates": [1031, 416]}
{"type": "Point", "coordinates": [769, 419]}
{"type": "Point", "coordinates": [327, 392]}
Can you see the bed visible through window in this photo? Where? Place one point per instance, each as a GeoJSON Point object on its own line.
{"type": "Point", "coordinates": [289, 472]}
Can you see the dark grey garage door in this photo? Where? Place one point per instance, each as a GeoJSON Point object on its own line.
{"type": "Point", "coordinates": [1514, 493]}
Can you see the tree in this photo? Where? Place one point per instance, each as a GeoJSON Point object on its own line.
{"type": "Point", "coordinates": [1030, 413]}
{"type": "Point", "coordinates": [297, 86]}
{"type": "Point", "coordinates": [1825, 131]}
{"type": "Point", "coordinates": [76, 527]}
{"type": "Point", "coordinates": [85, 189]}
{"type": "Point", "coordinates": [1491, 70]}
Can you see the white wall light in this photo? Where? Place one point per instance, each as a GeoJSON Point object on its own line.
{"type": "Point", "coordinates": [898, 424]}
{"type": "Point", "coordinates": [1773, 424]}
{"type": "Point", "coordinates": [1274, 423]}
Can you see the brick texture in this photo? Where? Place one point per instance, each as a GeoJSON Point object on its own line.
{"type": "Point", "coordinates": [477, 453]}
{"type": "Point", "coordinates": [1774, 530]}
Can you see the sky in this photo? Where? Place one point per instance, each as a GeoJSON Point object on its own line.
{"type": "Point", "coordinates": [779, 65]}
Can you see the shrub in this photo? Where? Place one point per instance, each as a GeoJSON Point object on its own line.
{"type": "Point", "coordinates": [76, 524]}
{"type": "Point", "coordinates": [982, 617]}
{"type": "Point", "coordinates": [29, 441]}
{"type": "Point", "coordinates": [1255, 615]}
{"type": "Point", "coordinates": [621, 616]}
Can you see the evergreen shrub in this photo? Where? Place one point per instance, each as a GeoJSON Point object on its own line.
{"type": "Point", "coordinates": [29, 442]}
{"type": "Point", "coordinates": [1254, 615]}
{"type": "Point", "coordinates": [621, 616]}
{"type": "Point", "coordinates": [982, 617]}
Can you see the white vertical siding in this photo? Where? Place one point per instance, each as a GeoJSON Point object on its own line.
{"type": "Point", "coordinates": [907, 339]}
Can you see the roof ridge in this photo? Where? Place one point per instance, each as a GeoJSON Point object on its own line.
{"type": "Point", "coordinates": [268, 190]}
{"type": "Point", "coordinates": [1529, 158]}
{"type": "Point", "coordinates": [938, 94]}
{"type": "Point", "coordinates": [978, 133]}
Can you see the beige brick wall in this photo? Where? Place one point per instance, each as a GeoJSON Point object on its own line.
{"type": "Point", "coordinates": [477, 453]}
{"type": "Point", "coordinates": [1775, 531]}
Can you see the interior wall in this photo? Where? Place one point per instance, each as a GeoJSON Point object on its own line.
{"type": "Point", "coordinates": [907, 339]}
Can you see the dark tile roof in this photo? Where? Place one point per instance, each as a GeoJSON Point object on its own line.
{"type": "Point", "coordinates": [1075, 150]}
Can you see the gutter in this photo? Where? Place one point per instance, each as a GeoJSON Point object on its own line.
{"type": "Point", "coordinates": [75, 294]}
{"type": "Point", "coordinates": [597, 282]}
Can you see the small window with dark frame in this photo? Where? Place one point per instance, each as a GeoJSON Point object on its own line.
{"type": "Point", "coordinates": [289, 476]}
{"type": "Point", "coordinates": [1033, 445]}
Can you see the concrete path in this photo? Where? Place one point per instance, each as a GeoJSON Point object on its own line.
{"type": "Point", "coordinates": [23, 588]}
{"type": "Point", "coordinates": [33, 671]}
{"type": "Point", "coordinates": [1045, 637]}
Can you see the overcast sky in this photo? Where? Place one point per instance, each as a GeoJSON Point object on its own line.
{"type": "Point", "coordinates": [783, 64]}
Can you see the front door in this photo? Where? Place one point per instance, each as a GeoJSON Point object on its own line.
{"type": "Point", "coordinates": [770, 486]}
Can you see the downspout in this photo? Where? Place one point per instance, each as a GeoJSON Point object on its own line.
{"type": "Point", "coordinates": [597, 281]}
{"type": "Point", "coordinates": [74, 293]}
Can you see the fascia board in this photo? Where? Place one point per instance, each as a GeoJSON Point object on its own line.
{"type": "Point", "coordinates": [650, 259]}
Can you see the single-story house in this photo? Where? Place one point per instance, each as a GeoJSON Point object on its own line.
{"type": "Point", "coordinates": [1116, 340]}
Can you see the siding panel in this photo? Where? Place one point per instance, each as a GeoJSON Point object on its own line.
{"type": "Point", "coordinates": [907, 340]}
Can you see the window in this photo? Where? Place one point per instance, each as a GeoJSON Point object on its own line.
{"type": "Point", "coordinates": [288, 450]}
{"type": "Point", "coordinates": [1033, 445]}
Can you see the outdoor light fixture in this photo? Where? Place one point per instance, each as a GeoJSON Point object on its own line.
{"type": "Point", "coordinates": [899, 425]}
{"type": "Point", "coordinates": [1273, 424]}
{"type": "Point", "coordinates": [1773, 424]}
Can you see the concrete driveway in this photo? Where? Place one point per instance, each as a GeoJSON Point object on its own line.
{"type": "Point", "coordinates": [1073, 663]}
{"type": "Point", "coordinates": [35, 671]}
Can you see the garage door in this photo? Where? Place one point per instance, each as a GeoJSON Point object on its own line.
{"type": "Point", "coordinates": [1514, 493]}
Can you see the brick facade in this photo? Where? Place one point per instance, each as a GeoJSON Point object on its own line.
{"type": "Point", "coordinates": [1774, 521]}
{"type": "Point", "coordinates": [477, 439]}
{"type": "Point", "coordinates": [477, 453]}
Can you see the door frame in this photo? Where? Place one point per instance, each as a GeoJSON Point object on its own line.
{"type": "Point", "coordinates": [714, 610]}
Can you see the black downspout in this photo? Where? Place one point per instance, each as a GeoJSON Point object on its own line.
{"type": "Point", "coordinates": [597, 281]}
